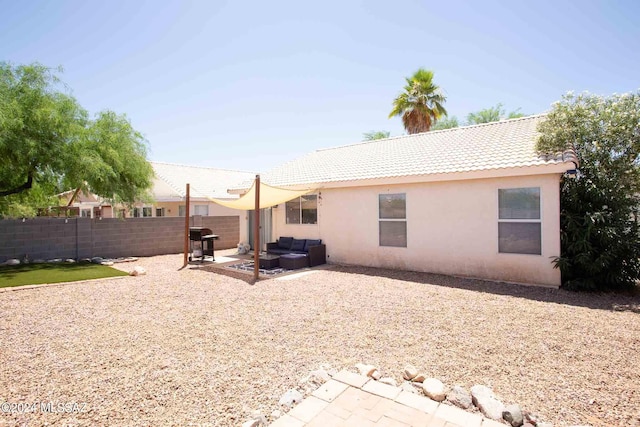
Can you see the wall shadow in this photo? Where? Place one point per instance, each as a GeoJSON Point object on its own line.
{"type": "Point", "coordinates": [597, 301]}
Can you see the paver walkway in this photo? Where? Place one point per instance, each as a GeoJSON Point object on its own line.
{"type": "Point", "coordinates": [350, 399]}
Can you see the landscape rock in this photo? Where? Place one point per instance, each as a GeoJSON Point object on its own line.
{"type": "Point", "coordinates": [376, 375]}
{"type": "Point", "coordinates": [460, 397]}
{"type": "Point", "coordinates": [55, 261]}
{"type": "Point", "coordinates": [388, 380]}
{"type": "Point", "coordinates": [366, 370]}
{"type": "Point", "coordinates": [70, 261]}
{"type": "Point", "coordinates": [319, 376]}
{"type": "Point", "coordinates": [531, 418]}
{"type": "Point", "coordinates": [12, 261]}
{"type": "Point", "coordinates": [513, 415]}
{"type": "Point", "coordinates": [97, 259]}
{"type": "Point", "coordinates": [485, 400]}
{"type": "Point", "coordinates": [258, 421]}
{"type": "Point", "coordinates": [434, 389]}
{"type": "Point", "coordinates": [138, 271]}
{"type": "Point", "coordinates": [528, 425]}
{"type": "Point", "coordinates": [407, 386]}
{"type": "Point", "coordinates": [276, 414]}
{"type": "Point", "coordinates": [544, 425]}
{"type": "Point", "coordinates": [290, 398]}
{"type": "Point", "coordinates": [409, 372]}
{"type": "Point", "coordinates": [419, 378]}
{"type": "Point", "coordinates": [38, 261]}
{"type": "Point", "coordinates": [107, 263]}
{"type": "Point", "coordinates": [85, 260]}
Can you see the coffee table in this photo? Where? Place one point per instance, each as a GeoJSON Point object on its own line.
{"type": "Point", "coordinates": [269, 261]}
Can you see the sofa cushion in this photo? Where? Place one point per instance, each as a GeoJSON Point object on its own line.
{"type": "Point", "coordinates": [285, 242]}
{"type": "Point", "coordinates": [298, 245]}
{"type": "Point", "coordinates": [311, 242]}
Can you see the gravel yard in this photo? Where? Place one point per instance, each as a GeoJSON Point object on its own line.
{"type": "Point", "coordinates": [196, 348]}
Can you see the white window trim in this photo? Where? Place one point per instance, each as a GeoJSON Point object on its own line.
{"type": "Point", "coordinates": [406, 208]}
{"type": "Point", "coordinates": [527, 221]}
{"type": "Point", "coordinates": [286, 218]}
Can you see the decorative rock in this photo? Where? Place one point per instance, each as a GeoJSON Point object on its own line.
{"type": "Point", "coordinates": [107, 263]}
{"type": "Point", "coordinates": [486, 401]}
{"type": "Point", "coordinates": [434, 389]}
{"type": "Point", "coordinates": [531, 418]}
{"type": "Point", "coordinates": [319, 376]}
{"type": "Point", "coordinates": [255, 422]}
{"type": "Point", "coordinates": [276, 414]}
{"type": "Point", "coordinates": [38, 261]}
{"type": "Point", "coordinates": [85, 260]}
{"type": "Point", "coordinates": [513, 415]}
{"type": "Point", "coordinates": [366, 370]}
{"type": "Point", "coordinates": [459, 397]}
{"type": "Point", "coordinates": [419, 378]}
{"type": "Point", "coordinates": [137, 271]}
{"type": "Point", "coordinates": [376, 375]}
{"type": "Point", "coordinates": [55, 261]}
{"type": "Point", "coordinates": [388, 380]}
{"type": "Point", "coordinates": [97, 259]}
{"type": "Point", "coordinates": [12, 261]}
{"type": "Point", "coordinates": [70, 261]}
{"type": "Point", "coordinates": [409, 372]}
{"type": "Point", "coordinates": [408, 387]}
{"type": "Point", "coordinates": [291, 397]}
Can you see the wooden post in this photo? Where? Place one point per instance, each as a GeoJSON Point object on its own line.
{"type": "Point", "coordinates": [256, 232]}
{"type": "Point", "coordinates": [186, 229]}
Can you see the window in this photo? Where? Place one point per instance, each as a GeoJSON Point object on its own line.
{"type": "Point", "coordinates": [146, 212]}
{"type": "Point", "coordinates": [393, 220]}
{"type": "Point", "coordinates": [302, 210]}
{"type": "Point", "coordinates": [136, 213]}
{"type": "Point", "coordinates": [519, 221]}
{"type": "Point", "coordinates": [201, 210]}
{"type": "Point", "coordinates": [85, 213]}
{"type": "Point", "coordinates": [160, 212]}
{"type": "Point", "coordinates": [182, 210]}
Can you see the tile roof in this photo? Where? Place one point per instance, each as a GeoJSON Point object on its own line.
{"type": "Point", "coordinates": [497, 145]}
{"type": "Point", "coordinates": [171, 180]}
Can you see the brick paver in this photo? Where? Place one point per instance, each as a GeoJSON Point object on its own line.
{"type": "Point", "coordinates": [350, 399]}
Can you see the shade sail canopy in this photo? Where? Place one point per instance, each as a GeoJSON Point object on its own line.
{"type": "Point", "coordinates": [269, 196]}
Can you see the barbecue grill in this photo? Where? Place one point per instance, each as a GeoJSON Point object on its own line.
{"type": "Point", "coordinates": [201, 239]}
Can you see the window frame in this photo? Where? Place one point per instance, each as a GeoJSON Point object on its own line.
{"type": "Point", "coordinates": [393, 220]}
{"type": "Point", "coordinates": [538, 220]}
{"type": "Point", "coordinates": [300, 211]}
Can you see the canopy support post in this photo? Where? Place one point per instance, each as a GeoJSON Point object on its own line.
{"type": "Point", "coordinates": [186, 228]}
{"type": "Point", "coordinates": [256, 231]}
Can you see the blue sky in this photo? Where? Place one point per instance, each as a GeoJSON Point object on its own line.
{"type": "Point", "coordinates": [250, 85]}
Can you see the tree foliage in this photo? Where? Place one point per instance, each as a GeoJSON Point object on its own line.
{"type": "Point", "coordinates": [421, 104]}
{"type": "Point", "coordinates": [600, 244]}
{"type": "Point", "coordinates": [49, 144]}
{"type": "Point", "coordinates": [492, 114]}
{"type": "Point", "coordinates": [446, 123]}
{"type": "Point", "coordinates": [373, 135]}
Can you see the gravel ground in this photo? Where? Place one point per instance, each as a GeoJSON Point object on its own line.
{"type": "Point", "coordinates": [196, 348]}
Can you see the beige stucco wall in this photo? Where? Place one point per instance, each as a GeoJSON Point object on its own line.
{"type": "Point", "coordinates": [452, 228]}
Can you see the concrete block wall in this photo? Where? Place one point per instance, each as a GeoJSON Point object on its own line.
{"type": "Point", "coordinates": [48, 238]}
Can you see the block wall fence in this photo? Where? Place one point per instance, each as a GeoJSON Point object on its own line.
{"type": "Point", "coordinates": [48, 238]}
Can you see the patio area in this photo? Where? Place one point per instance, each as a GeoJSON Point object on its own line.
{"type": "Point", "coordinates": [194, 347]}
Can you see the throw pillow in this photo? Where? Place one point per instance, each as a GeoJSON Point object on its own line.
{"type": "Point", "coordinates": [311, 242]}
{"type": "Point", "coordinates": [285, 242]}
{"type": "Point", "coordinates": [298, 245]}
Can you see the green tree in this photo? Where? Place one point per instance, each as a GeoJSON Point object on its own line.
{"type": "Point", "coordinates": [421, 103]}
{"type": "Point", "coordinates": [600, 245]}
{"type": "Point", "coordinates": [492, 114]}
{"type": "Point", "coordinates": [446, 123]}
{"type": "Point", "coordinates": [380, 134]}
{"type": "Point", "coordinates": [48, 144]}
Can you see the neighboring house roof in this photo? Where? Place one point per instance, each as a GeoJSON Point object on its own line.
{"type": "Point", "coordinates": [491, 146]}
{"type": "Point", "coordinates": [171, 180]}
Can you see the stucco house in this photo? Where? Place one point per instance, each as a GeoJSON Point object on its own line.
{"type": "Point", "coordinates": [475, 201]}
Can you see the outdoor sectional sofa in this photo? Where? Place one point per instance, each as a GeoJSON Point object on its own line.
{"type": "Point", "coordinates": [314, 250]}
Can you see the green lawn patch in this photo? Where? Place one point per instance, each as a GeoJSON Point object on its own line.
{"type": "Point", "coordinates": [35, 274]}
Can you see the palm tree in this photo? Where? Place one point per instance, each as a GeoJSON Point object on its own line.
{"type": "Point", "coordinates": [420, 105]}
